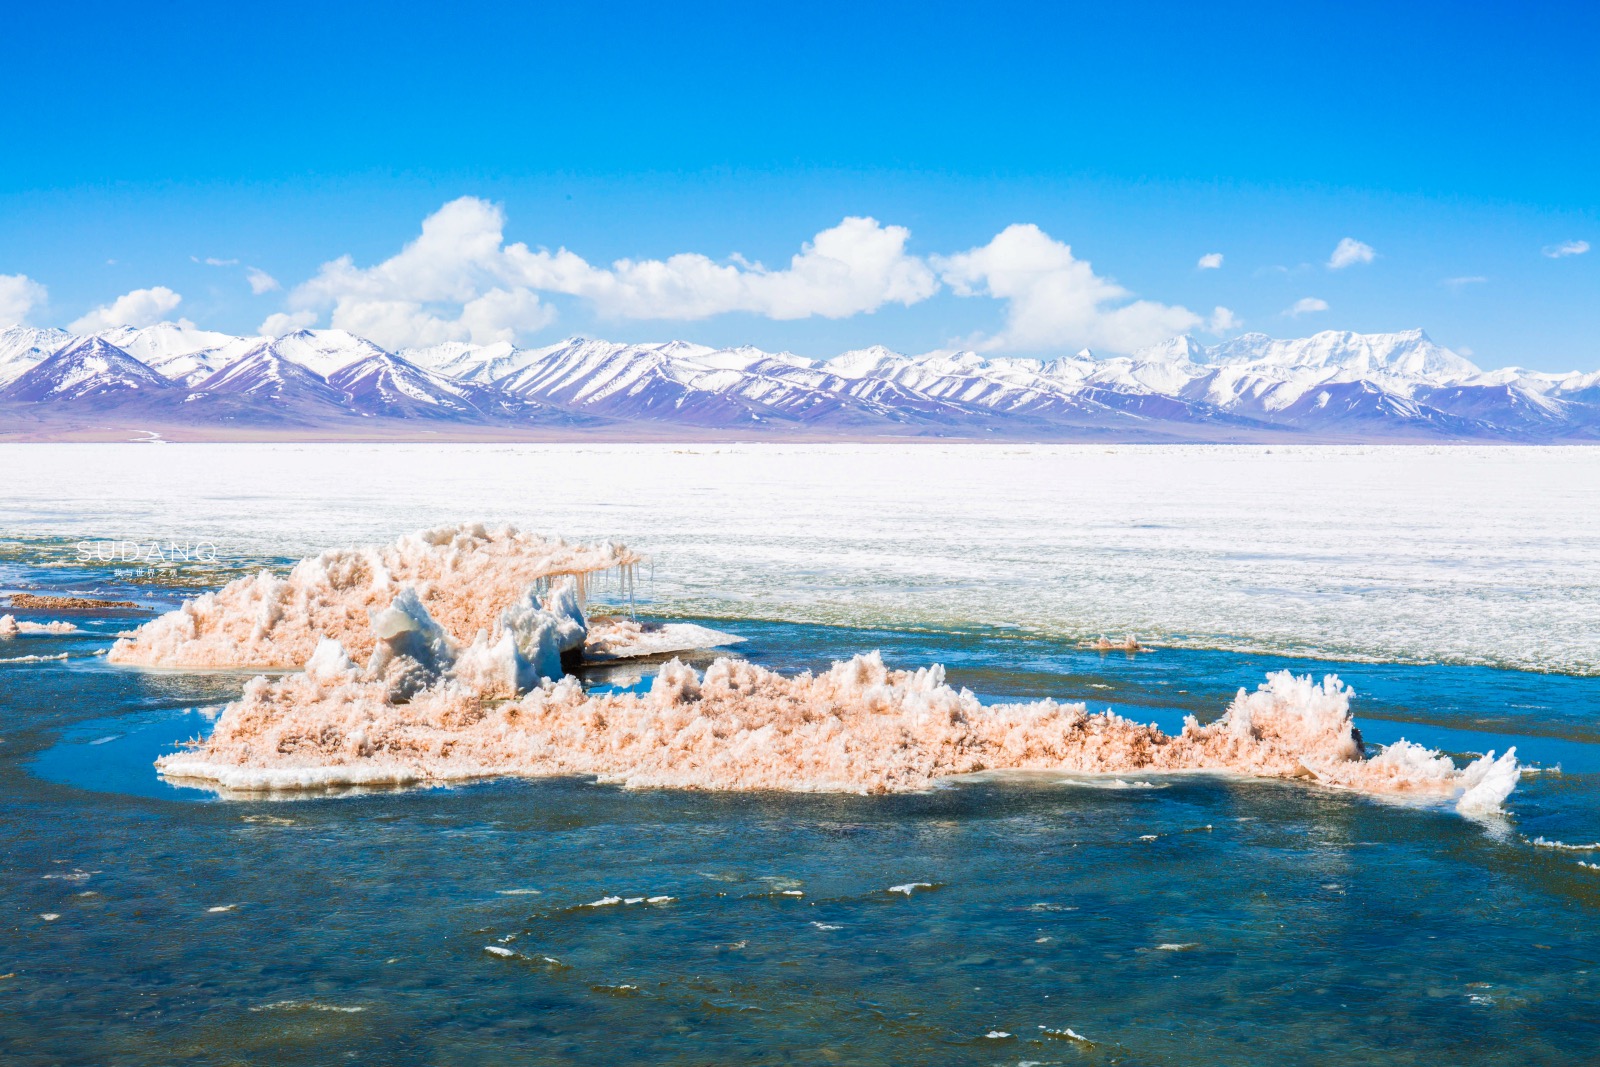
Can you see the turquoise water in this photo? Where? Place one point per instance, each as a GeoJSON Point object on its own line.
{"type": "Point", "coordinates": [1180, 920]}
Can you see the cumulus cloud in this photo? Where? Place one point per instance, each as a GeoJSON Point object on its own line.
{"type": "Point", "coordinates": [283, 322]}
{"type": "Point", "coordinates": [260, 281]}
{"type": "Point", "coordinates": [1223, 320]}
{"type": "Point", "coordinates": [855, 267]}
{"type": "Point", "coordinates": [1210, 261]}
{"type": "Point", "coordinates": [142, 307]}
{"type": "Point", "coordinates": [1349, 252]}
{"type": "Point", "coordinates": [1053, 299]}
{"type": "Point", "coordinates": [459, 280]}
{"type": "Point", "coordinates": [19, 295]}
{"type": "Point", "coordinates": [1566, 248]}
{"type": "Point", "coordinates": [1306, 305]}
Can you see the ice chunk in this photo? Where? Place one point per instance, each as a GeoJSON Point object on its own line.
{"type": "Point", "coordinates": [329, 662]}
{"type": "Point", "coordinates": [309, 1005]}
{"type": "Point", "coordinates": [525, 647]}
{"type": "Point", "coordinates": [562, 605]}
{"type": "Point", "coordinates": [1543, 842]}
{"type": "Point", "coordinates": [1488, 783]}
{"type": "Point", "coordinates": [1066, 1032]}
{"type": "Point", "coordinates": [411, 651]}
{"type": "Point", "coordinates": [616, 638]}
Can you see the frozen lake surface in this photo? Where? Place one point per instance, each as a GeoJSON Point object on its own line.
{"type": "Point", "coordinates": [1409, 554]}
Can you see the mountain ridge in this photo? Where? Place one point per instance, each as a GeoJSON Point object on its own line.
{"type": "Point", "coordinates": [1333, 385]}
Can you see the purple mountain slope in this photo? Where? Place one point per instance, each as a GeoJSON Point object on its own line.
{"type": "Point", "coordinates": [89, 370]}
{"type": "Point", "coordinates": [264, 375]}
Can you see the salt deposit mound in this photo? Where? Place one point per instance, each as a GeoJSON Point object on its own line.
{"type": "Point", "coordinates": [459, 634]}
{"type": "Point", "coordinates": [859, 727]}
{"type": "Point", "coordinates": [463, 575]}
{"type": "Point", "coordinates": [10, 627]}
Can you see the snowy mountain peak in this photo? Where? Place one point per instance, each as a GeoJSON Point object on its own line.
{"type": "Point", "coordinates": [1184, 349]}
{"type": "Point", "coordinates": [385, 384]}
{"type": "Point", "coordinates": [180, 351]}
{"type": "Point", "coordinates": [89, 367]}
{"type": "Point", "coordinates": [1407, 353]}
{"type": "Point", "coordinates": [871, 362]}
{"type": "Point", "coordinates": [22, 347]}
{"type": "Point", "coordinates": [325, 351]}
{"type": "Point", "coordinates": [164, 340]}
{"type": "Point", "coordinates": [263, 372]}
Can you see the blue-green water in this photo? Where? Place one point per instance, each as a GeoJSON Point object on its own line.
{"type": "Point", "coordinates": [1179, 920]}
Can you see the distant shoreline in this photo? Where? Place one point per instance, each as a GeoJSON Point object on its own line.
{"type": "Point", "coordinates": [410, 432]}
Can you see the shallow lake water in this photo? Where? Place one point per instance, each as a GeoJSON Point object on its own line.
{"type": "Point", "coordinates": [1161, 919]}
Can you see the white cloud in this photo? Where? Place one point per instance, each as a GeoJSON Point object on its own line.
{"type": "Point", "coordinates": [1210, 261]}
{"type": "Point", "coordinates": [142, 307]}
{"type": "Point", "coordinates": [287, 322]}
{"type": "Point", "coordinates": [260, 281]}
{"type": "Point", "coordinates": [459, 280]}
{"type": "Point", "coordinates": [1459, 283]}
{"type": "Point", "coordinates": [1223, 320]}
{"type": "Point", "coordinates": [855, 267]}
{"type": "Point", "coordinates": [1350, 252]}
{"type": "Point", "coordinates": [1055, 300]}
{"type": "Point", "coordinates": [1305, 305]}
{"type": "Point", "coordinates": [1566, 248]}
{"type": "Point", "coordinates": [19, 295]}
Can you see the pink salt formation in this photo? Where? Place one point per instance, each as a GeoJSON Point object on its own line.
{"type": "Point", "coordinates": [38, 602]}
{"type": "Point", "coordinates": [463, 575]}
{"type": "Point", "coordinates": [440, 658]}
{"type": "Point", "coordinates": [10, 627]}
{"type": "Point", "coordinates": [1129, 643]}
{"type": "Point", "coordinates": [858, 727]}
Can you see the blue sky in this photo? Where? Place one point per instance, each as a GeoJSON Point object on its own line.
{"type": "Point", "coordinates": [1458, 143]}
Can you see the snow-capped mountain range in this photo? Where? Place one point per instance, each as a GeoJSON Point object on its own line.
{"type": "Point", "coordinates": [1333, 386]}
